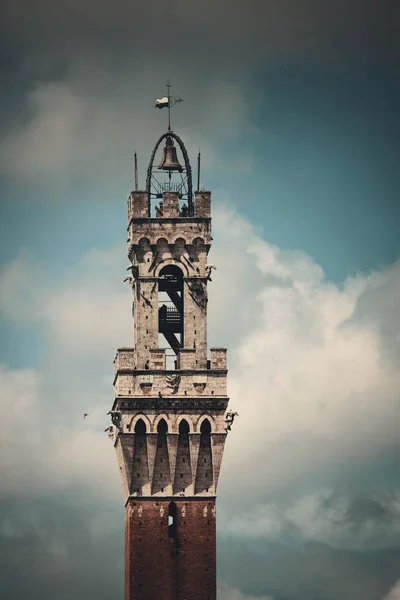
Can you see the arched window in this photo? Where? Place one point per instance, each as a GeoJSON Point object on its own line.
{"type": "Point", "coordinates": [172, 520]}
{"type": "Point", "coordinates": [140, 472]}
{"type": "Point", "coordinates": [140, 427]}
{"type": "Point", "coordinates": [184, 427]}
{"type": "Point", "coordinates": [204, 473]}
{"type": "Point", "coordinates": [162, 427]}
{"type": "Point", "coordinates": [205, 428]}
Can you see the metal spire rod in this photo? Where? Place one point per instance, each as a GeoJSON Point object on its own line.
{"type": "Point", "coordinates": [198, 171]}
{"type": "Point", "coordinates": [171, 102]}
{"type": "Point", "coordinates": [169, 105]}
{"type": "Point", "coordinates": [136, 173]}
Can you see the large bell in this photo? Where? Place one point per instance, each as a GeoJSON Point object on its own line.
{"type": "Point", "coordinates": [169, 161]}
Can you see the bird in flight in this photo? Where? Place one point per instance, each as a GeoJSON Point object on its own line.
{"type": "Point", "coordinates": [85, 415]}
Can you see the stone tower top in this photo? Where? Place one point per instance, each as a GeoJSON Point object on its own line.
{"type": "Point", "coordinates": [168, 386]}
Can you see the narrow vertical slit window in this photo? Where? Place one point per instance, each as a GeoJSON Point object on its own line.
{"type": "Point", "coordinates": [172, 520]}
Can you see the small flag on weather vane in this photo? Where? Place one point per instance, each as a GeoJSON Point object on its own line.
{"type": "Point", "coordinates": [162, 102]}
{"type": "Point", "coordinates": [168, 101]}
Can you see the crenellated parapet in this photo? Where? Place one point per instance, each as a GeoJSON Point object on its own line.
{"type": "Point", "coordinates": [138, 206]}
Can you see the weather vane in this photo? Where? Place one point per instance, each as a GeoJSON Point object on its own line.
{"type": "Point", "coordinates": [167, 101]}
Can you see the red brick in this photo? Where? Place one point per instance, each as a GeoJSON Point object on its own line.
{"type": "Point", "coordinates": [158, 567]}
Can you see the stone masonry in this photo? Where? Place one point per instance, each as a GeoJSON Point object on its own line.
{"type": "Point", "coordinates": [168, 418]}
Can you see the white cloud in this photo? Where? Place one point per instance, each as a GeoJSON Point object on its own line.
{"type": "Point", "coordinates": [226, 593]}
{"type": "Point", "coordinates": [39, 454]}
{"type": "Point", "coordinates": [81, 126]}
{"type": "Point", "coordinates": [20, 291]}
{"type": "Point", "coordinates": [314, 375]}
{"type": "Point", "coordinates": [90, 310]}
{"type": "Point", "coordinates": [86, 310]}
{"type": "Point", "coordinates": [57, 119]}
{"type": "Point", "coordinates": [394, 593]}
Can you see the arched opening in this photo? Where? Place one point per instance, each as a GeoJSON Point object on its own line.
{"type": "Point", "coordinates": [184, 427]}
{"type": "Point", "coordinates": [205, 428]}
{"type": "Point", "coordinates": [170, 310]}
{"type": "Point", "coordinates": [172, 520]}
{"type": "Point", "coordinates": [140, 427]}
{"type": "Point", "coordinates": [162, 427]}
{"type": "Point", "coordinates": [204, 474]}
{"type": "Point", "coordinates": [140, 473]}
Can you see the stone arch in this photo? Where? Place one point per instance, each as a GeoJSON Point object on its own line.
{"type": "Point", "coordinates": [158, 418]}
{"type": "Point", "coordinates": [197, 248]}
{"type": "Point", "coordinates": [144, 242]}
{"type": "Point", "coordinates": [171, 261]}
{"type": "Point", "coordinates": [162, 427]}
{"type": "Point", "coordinates": [162, 241]}
{"type": "Point", "coordinates": [171, 270]}
{"type": "Point", "coordinates": [143, 250]}
{"type": "Point", "coordinates": [205, 427]}
{"type": "Point", "coordinates": [178, 248]}
{"type": "Point", "coordinates": [135, 419]}
{"type": "Point", "coordinates": [178, 238]}
{"type": "Point", "coordinates": [163, 249]}
{"type": "Point", "coordinates": [203, 417]}
{"type": "Point", "coordinates": [198, 241]}
{"type": "Point", "coordinates": [182, 423]}
{"type": "Point", "coordinates": [140, 427]}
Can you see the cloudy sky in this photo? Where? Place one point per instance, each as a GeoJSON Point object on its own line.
{"type": "Point", "coordinates": [295, 106]}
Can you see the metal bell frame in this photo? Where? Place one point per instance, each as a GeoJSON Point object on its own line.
{"type": "Point", "coordinates": [187, 171]}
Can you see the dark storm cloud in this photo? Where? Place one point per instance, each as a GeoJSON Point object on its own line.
{"type": "Point", "coordinates": [257, 30]}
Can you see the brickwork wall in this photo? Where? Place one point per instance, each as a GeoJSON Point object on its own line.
{"type": "Point", "coordinates": [161, 476]}
{"type": "Point", "coordinates": [174, 229]}
{"type": "Point", "coordinates": [195, 324]}
{"type": "Point", "coordinates": [150, 254]}
{"type": "Point", "coordinates": [202, 204]}
{"type": "Point", "coordinates": [127, 384]}
{"type": "Point", "coordinates": [171, 204]}
{"type": "Point", "coordinates": [218, 358]}
{"type": "Point", "coordinates": [159, 567]}
{"type": "Point", "coordinates": [145, 318]}
{"type": "Point", "coordinates": [138, 205]}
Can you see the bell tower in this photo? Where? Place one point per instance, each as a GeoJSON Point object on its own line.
{"type": "Point", "coordinates": [168, 424]}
